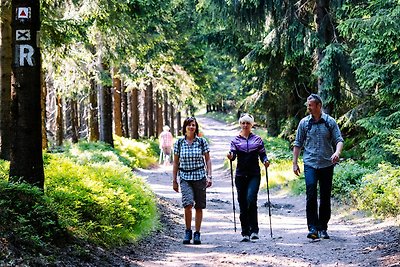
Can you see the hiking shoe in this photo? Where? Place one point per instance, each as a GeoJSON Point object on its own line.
{"type": "Point", "coordinates": [313, 234]}
{"type": "Point", "coordinates": [188, 237]}
{"type": "Point", "coordinates": [323, 234]}
{"type": "Point", "coordinates": [254, 236]}
{"type": "Point", "coordinates": [245, 238]}
{"type": "Point", "coordinates": [196, 238]}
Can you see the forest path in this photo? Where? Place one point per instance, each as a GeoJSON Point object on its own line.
{"type": "Point", "coordinates": [354, 242]}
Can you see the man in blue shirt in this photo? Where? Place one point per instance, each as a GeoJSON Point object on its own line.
{"type": "Point", "coordinates": [319, 135]}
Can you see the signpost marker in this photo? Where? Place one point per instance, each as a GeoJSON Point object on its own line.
{"type": "Point", "coordinates": [26, 149]}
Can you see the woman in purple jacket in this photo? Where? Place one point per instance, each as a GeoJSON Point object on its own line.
{"type": "Point", "coordinates": [247, 148]}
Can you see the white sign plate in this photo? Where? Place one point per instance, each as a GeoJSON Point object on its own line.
{"type": "Point", "coordinates": [24, 55]}
{"type": "Point", "coordinates": [23, 12]}
{"type": "Point", "coordinates": [23, 35]}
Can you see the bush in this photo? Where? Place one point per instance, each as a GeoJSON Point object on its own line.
{"type": "Point", "coordinates": [135, 153]}
{"type": "Point", "coordinates": [27, 220]}
{"type": "Point", "coordinates": [347, 178]}
{"type": "Point", "coordinates": [89, 191]}
{"type": "Point", "coordinates": [277, 148]}
{"type": "Point", "coordinates": [101, 202]}
{"type": "Point", "coordinates": [280, 172]}
{"type": "Point", "coordinates": [298, 186]}
{"type": "Point", "coordinates": [380, 191]}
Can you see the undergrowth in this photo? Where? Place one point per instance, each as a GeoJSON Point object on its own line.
{"type": "Point", "coordinates": [90, 195]}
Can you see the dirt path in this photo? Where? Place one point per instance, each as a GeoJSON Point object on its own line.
{"type": "Point", "coordinates": [354, 242]}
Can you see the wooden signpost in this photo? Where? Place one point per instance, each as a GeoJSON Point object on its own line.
{"type": "Point", "coordinates": [26, 162]}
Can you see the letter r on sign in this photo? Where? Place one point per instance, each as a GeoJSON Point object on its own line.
{"type": "Point", "coordinates": [24, 55]}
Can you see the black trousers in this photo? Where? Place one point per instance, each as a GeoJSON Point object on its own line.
{"type": "Point", "coordinates": [247, 191]}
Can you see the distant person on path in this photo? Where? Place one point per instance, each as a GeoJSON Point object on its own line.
{"type": "Point", "coordinates": [166, 141]}
{"type": "Point", "coordinates": [319, 135]}
{"type": "Point", "coordinates": [192, 163]}
{"type": "Point", "coordinates": [248, 147]}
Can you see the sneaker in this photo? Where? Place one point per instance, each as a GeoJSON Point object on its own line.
{"type": "Point", "coordinates": [196, 238]}
{"type": "Point", "coordinates": [245, 238]}
{"type": "Point", "coordinates": [313, 234]}
{"type": "Point", "coordinates": [323, 234]}
{"type": "Point", "coordinates": [254, 236]}
{"type": "Point", "coordinates": [188, 237]}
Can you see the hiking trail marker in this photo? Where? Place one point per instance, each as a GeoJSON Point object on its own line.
{"type": "Point", "coordinates": [23, 35]}
{"type": "Point", "coordinates": [26, 118]}
{"type": "Point", "coordinates": [23, 13]}
{"type": "Point", "coordinates": [24, 54]}
{"type": "Point", "coordinates": [26, 47]}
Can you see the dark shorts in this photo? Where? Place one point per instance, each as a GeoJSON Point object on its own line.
{"type": "Point", "coordinates": [194, 193]}
{"type": "Point", "coordinates": [167, 150]}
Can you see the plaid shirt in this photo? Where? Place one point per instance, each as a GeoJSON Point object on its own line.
{"type": "Point", "coordinates": [166, 139]}
{"type": "Point", "coordinates": [318, 141]}
{"type": "Point", "coordinates": [191, 158]}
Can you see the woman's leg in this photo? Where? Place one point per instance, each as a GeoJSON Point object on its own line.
{"type": "Point", "coordinates": [188, 217]}
{"type": "Point", "coordinates": [242, 189]}
{"type": "Point", "coordinates": [252, 194]}
{"type": "Point", "coordinates": [198, 219]}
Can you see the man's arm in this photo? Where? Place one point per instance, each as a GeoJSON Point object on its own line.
{"type": "Point", "coordinates": [336, 156]}
{"type": "Point", "coordinates": [296, 153]}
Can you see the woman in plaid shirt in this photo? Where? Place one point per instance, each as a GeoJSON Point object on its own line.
{"type": "Point", "coordinates": [193, 165]}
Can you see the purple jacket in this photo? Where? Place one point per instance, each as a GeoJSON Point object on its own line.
{"type": "Point", "coordinates": [247, 152]}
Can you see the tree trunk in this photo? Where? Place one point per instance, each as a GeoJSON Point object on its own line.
{"type": "Point", "coordinates": [67, 119]}
{"type": "Point", "coordinates": [125, 116]}
{"type": "Point", "coordinates": [134, 113]}
{"type": "Point", "coordinates": [5, 78]}
{"type": "Point", "coordinates": [178, 123]}
{"type": "Point", "coordinates": [106, 111]}
{"type": "Point", "coordinates": [166, 109]}
{"type": "Point", "coordinates": [145, 112]}
{"type": "Point", "coordinates": [43, 111]}
{"type": "Point", "coordinates": [26, 159]}
{"type": "Point", "coordinates": [93, 112]}
{"type": "Point", "coordinates": [172, 118]}
{"type": "Point", "coordinates": [82, 119]}
{"type": "Point", "coordinates": [325, 33]}
{"type": "Point", "coordinates": [59, 122]}
{"type": "Point", "coordinates": [73, 123]}
{"type": "Point", "coordinates": [159, 114]}
{"type": "Point", "coordinates": [117, 104]}
{"type": "Point", "coordinates": [150, 103]}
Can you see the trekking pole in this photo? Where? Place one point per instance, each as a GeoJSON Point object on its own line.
{"type": "Point", "coordinates": [161, 157]}
{"type": "Point", "coordinates": [233, 197]}
{"type": "Point", "coordinates": [269, 202]}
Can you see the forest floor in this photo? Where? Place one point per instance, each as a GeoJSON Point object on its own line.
{"type": "Point", "coordinates": [355, 240]}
